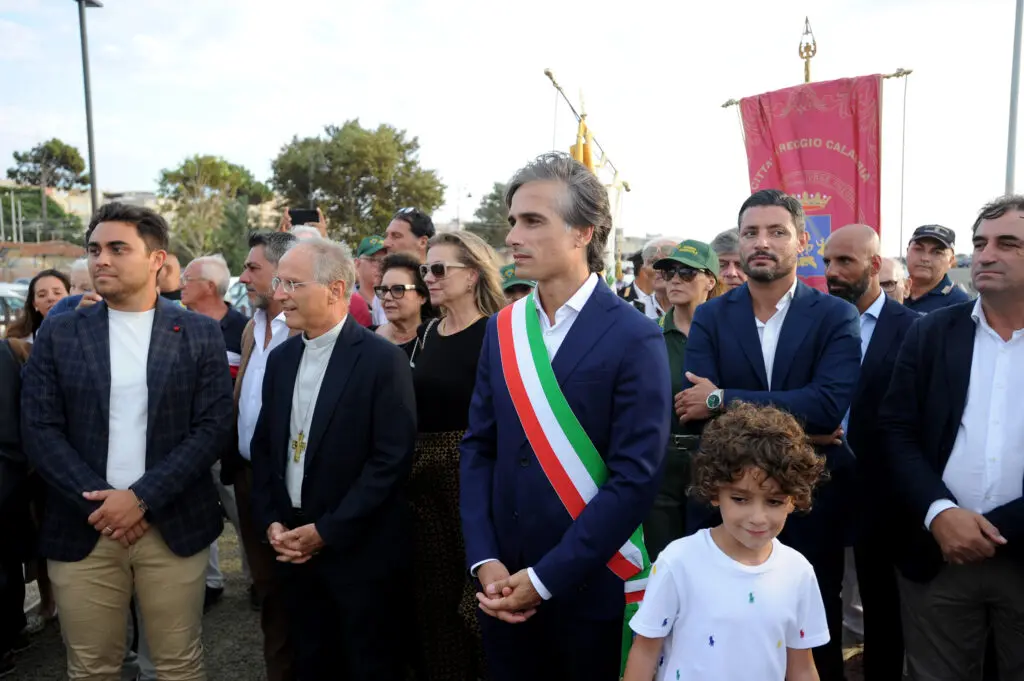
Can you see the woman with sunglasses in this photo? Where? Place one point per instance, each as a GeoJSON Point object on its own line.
{"type": "Point", "coordinates": [690, 274]}
{"type": "Point", "coordinates": [461, 273]}
{"type": "Point", "coordinates": [405, 299]}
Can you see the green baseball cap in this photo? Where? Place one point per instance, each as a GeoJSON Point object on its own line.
{"type": "Point", "coordinates": [509, 278]}
{"type": "Point", "coordinates": [370, 245]}
{"type": "Point", "coordinates": [695, 254]}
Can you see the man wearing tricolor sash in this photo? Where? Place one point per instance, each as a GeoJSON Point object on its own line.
{"type": "Point", "coordinates": [567, 429]}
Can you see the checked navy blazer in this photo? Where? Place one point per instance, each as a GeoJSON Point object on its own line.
{"type": "Point", "coordinates": [65, 417]}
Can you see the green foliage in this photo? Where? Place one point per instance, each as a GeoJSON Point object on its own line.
{"type": "Point", "coordinates": [358, 177]}
{"type": "Point", "coordinates": [204, 176]}
{"type": "Point", "coordinates": [61, 163]}
{"type": "Point", "coordinates": [59, 225]}
{"type": "Point", "coordinates": [232, 239]}
{"type": "Point", "coordinates": [491, 222]}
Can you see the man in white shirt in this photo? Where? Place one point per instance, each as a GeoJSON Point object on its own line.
{"type": "Point", "coordinates": [954, 444]}
{"type": "Point", "coordinates": [129, 404]}
{"type": "Point", "coordinates": [266, 331]}
{"type": "Point", "coordinates": [543, 552]}
{"type": "Point", "coordinates": [648, 288]}
{"type": "Point", "coordinates": [330, 455]}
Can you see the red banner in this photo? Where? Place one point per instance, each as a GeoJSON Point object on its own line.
{"type": "Point", "coordinates": [820, 143]}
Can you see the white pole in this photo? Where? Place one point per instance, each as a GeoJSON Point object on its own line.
{"type": "Point", "coordinates": [1011, 144]}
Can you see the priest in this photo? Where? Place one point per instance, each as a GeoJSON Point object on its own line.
{"type": "Point", "coordinates": [330, 454]}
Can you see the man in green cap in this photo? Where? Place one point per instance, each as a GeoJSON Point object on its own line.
{"type": "Point", "coordinates": [690, 274]}
{"type": "Point", "coordinates": [514, 287]}
{"type": "Point", "coordinates": [368, 256]}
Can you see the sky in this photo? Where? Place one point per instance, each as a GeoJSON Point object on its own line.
{"type": "Point", "coordinates": [240, 78]}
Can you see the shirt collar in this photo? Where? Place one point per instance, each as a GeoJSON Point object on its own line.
{"type": "Point", "coordinates": [326, 339]}
{"type": "Point", "coordinates": [578, 299]}
{"type": "Point", "coordinates": [260, 316]}
{"type": "Point", "coordinates": [875, 310]}
{"type": "Point", "coordinates": [788, 298]}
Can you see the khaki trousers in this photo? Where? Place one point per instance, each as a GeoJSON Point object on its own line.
{"type": "Point", "coordinates": [93, 597]}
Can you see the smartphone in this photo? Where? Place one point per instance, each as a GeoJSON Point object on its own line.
{"type": "Point", "coordinates": [303, 216]}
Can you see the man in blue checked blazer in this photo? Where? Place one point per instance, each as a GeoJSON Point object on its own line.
{"type": "Point", "coordinates": [125, 407]}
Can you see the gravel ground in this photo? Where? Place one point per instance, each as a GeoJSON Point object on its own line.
{"type": "Point", "coordinates": [231, 634]}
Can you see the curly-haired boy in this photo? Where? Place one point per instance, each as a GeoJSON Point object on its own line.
{"type": "Point", "coordinates": [732, 602]}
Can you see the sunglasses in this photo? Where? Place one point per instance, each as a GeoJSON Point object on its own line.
{"type": "Point", "coordinates": [439, 269]}
{"type": "Point", "coordinates": [687, 274]}
{"type": "Point", "coordinates": [397, 291]}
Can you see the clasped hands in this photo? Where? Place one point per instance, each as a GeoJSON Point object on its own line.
{"type": "Point", "coordinates": [294, 546]}
{"type": "Point", "coordinates": [509, 598]}
{"type": "Point", "coordinates": [119, 516]}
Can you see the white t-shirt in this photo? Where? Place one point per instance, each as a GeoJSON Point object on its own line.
{"type": "Point", "coordinates": [130, 333]}
{"type": "Point", "coordinates": [727, 621]}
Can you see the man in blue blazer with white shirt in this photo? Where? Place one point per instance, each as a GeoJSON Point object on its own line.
{"type": "Point", "coordinates": [777, 341]}
{"type": "Point", "coordinates": [543, 541]}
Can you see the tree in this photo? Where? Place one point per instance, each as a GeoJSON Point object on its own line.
{"type": "Point", "coordinates": [491, 222]}
{"type": "Point", "coordinates": [50, 164]}
{"type": "Point", "coordinates": [59, 225]}
{"type": "Point", "coordinates": [209, 175]}
{"type": "Point", "coordinates": [232, 239]}
{"type": "Point", "coordinates": [358, 177]}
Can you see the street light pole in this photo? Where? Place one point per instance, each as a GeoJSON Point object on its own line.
{"type": "Point", "coordinates": [1011, 143]}
{"type": "Point", "coordinates": [82, 4]}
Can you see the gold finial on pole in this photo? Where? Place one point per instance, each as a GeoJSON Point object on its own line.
{"type": "Point", "coordinates": [808, 48]}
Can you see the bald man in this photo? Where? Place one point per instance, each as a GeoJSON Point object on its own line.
{"type": "Point", "coordinates": [852, 267]}
{"type": "Point", "coordinates": [894, 280]}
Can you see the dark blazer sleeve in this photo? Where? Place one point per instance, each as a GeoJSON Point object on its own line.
{"type": "Point", "coordinates": [822, 403]}
{"type": "Point", "coordinates": [393, 441]}
{"type": "Point", "coordinates": [477, 455]}
{"type": "Point", "coordinates": [211, 423]}
{"type": "Point", "coordinates": [641, 402]}
{"type": "Point", "coordinates": [43, 421]}
{"type": "Point", "coordinates": [1009, 520]}
{"type": "Point", "coordinates": [902, 419]}
{"type": "Point", "coordinates": [700, 348]}
{"type": "Point", "coordinates": [263, 509]}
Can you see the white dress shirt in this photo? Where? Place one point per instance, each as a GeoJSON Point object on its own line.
{"type": "Point", "coordinates": [868, 320]}
{"type": "Point", "coordinates": [130, 333]}
{"type": "Point", "coordinates": [377, 313]}
{"type": "Point", "coordinates": [250, 397]}
{"type": "Point", "coordinates": [312, 367]}
{"type": "Point", "coordinates": [651, 307]}
{"type": "Point", "coordinates": [768, 332]}
{"type": "Point", "coordinates": [985, 469]}
{"type": "Point", "coordinates": [554, 335]}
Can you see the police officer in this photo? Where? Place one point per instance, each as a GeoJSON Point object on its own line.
{"type": "Point", "coordinates": [929, 257]}
{"type": "Point", "coordinates": [629, 292]}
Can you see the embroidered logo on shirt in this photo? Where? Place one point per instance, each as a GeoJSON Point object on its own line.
{"type": "Point", "coordinates": [661, 660]}
{"type": "Point", "coordinates": [751, 596]}
{"type": "Point", "coordinates": [801, 633]}
{"type": "Point", "coordinates": [779, 644]}
{"type": "Point", "coordinates": [664, 622]}
{"type": "Point", "coordinates": [711, 641]}
{"type": "Point", "coordinates": [654, 569]}
{"type": "Point", "coordinates": [677, 675]}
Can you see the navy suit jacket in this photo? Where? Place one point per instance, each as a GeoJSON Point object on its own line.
{"type": "Point", "coordinates": [65, 417]}
{"type": "Point", "coordinates": [866, 438]}
{"type": "Point", "coordinates": [920, 418]}
{"type": "Point", "coordinates": [814, 375]}
{"type": "Point", "coordinates": [359, 453]}
{"type": "Point", "coordinates": [613, 370]}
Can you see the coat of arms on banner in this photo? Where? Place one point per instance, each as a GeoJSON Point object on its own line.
{"type": "Point", "coordinates": [810, 266]}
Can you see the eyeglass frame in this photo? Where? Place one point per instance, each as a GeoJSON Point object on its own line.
{"type": "Point", "coordinates": [382, 291]}
{"type": "Point", "coordinates": [288, 286]}
{"type": "Point", "coordinates": [427, 268]}
{"type": "Point", "coordinates": [889, 285]}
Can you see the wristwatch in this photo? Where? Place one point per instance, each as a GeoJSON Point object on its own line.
{"type": "Point", "coordinates": [715, 401]}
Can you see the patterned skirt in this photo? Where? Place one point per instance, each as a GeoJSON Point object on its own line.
{"type": "Point", "coordinates": [447, 631]}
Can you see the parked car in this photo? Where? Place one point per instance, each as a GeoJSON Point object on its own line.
{"type": "Point", "coordinates": [12, 300]}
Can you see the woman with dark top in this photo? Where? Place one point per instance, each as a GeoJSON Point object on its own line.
{"type": "Point", "coordinates": [45, 289]}
{"type": "Point", "coordinates": [690, 274]}
{"type": "Point", "coordinates": [461, 273]}
{"type": "Point", "coordinates": [405, 299]}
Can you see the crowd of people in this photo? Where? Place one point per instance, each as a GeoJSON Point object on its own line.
{"type": "Point", "coordinates": [445, 469]}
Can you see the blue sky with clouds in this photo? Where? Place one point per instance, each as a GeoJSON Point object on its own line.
{"type": "Point", "coordinates": [239, 78]}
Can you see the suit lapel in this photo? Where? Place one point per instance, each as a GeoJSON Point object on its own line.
{"type": "Point", "coordinates": [959, 357]}
{"type": "Point", "coordinates": [882, 339]}
{"type": "Point", "coordinates": [94, 334]}
{"type": "Point", "coordinates": [339, 369]}
{"type": "Point", "coordinates": [794, 330]}
{"type": "Point", "coordinates": [742, 324]}
{"type": "Point", "coordinates": [164, 343]}
{"type": "Point", "coordinates": [591, 324]}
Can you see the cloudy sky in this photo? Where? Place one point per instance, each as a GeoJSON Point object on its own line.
{"type": "Point", "coordinates": [239, 78]}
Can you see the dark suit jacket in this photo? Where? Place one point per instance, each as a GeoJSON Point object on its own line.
{"type": "Point", "coordinates": [817, 362]}
{"type": "Point", "coordinates": [65, 417]}
{"type": "Point", "coordinates": [865, 437]}
{"type": "Point", "coordinates": [613, 370]}
{"type": "Point", "coordinates": [13, 465]}
{"type": "Point", "coordinates": [920, 418]}
{"type": "Point", "coordinates": [359, 453]}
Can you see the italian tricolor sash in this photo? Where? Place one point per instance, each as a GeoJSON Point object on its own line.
{"type": "Point", "coordinates": [566, 453]}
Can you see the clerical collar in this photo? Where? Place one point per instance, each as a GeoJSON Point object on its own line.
{"type": "Point", "coordinates": [325, 339]}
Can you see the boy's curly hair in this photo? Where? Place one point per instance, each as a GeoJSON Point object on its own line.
{"type": "Point", "coordinates": [762, 437]}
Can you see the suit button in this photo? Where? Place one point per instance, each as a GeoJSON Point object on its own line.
{"type": "Point", "coordinates": [524, 461]}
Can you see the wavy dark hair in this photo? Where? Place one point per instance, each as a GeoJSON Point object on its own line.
{"type": "Point", "coordinates": [761, 437]}
{"type": "Point", "coordinates": [30, 319]}
{"type": "Point", "coordinates": [410, 264]}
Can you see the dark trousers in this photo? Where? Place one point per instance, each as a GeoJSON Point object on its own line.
{"type": "Point", "coordinates": [880, 596]}
{"type": "Point", "coordinates": [667, 520]}
{"type": "Point", "coordinates": [947, 621]}
{"type": "Point", "coordinates": [12, 602]}
{"type": "Point", "coordinates": [556, 644]}
{"type": "Point", "coordinates": [277, 647]}
{"type": "Point", "coordinates": [355, 631]}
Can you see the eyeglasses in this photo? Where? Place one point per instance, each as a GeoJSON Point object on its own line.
{"type": "Point", "coordinates": [687, 274]}
{"type": "Point", "coordinates": [287, 285]}
{"type": "Point", "coordinates": [397, 291]}
{"type": "Point", "coordinates": [439, 269]}
{"type": "Point", "coordinates": [185, 280]}
{"type": "Point", "coordinates": [889, 285]}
